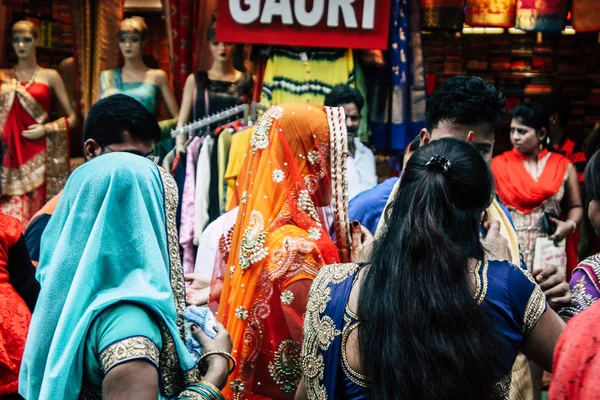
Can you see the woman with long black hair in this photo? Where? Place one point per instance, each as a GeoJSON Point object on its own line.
{"type": "Point", "coordinates": [431, 316]}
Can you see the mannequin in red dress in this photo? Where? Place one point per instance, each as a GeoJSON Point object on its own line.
{"type": "Point", "coordinates": [36, 164]}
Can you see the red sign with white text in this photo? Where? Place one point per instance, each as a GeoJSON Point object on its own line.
{"type": "Point", "coordinates": [357, 24]}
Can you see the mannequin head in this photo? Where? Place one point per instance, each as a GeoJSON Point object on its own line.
{"type": "Point", "coordinates": [221, 52]}
{"type": "Point", "coordinates": [132, 36]}
{"type": "Point", "coordinates": [24, 39]}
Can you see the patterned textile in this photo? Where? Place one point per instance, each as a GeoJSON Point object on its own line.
{"type": "Point", "coordinates": [295, 166]}
{"type": "Point", "coordinates": [585, 15]}
{"type": "Point", "coordinates": [294, 75]}
{"type": "Point", "coordinates": [398, 113]}
{"type": "Point", "coordinates": [491, 13]}
{"type": "Point", "coordinates": [443, 14]}
{"type": "Point", "coordinates": [187, 23]}
{"type": "Point", "coordinates": [329, 321]}
{"type": "Point", "coordinates": [116, 199]}
{"type": "Point", "coordinates": [585, 287]}
{"type": "Point", "coordinates": [96, 29]}
{"type": "Point", "coordinates": [541, 16]}
{"type": "Point", "coordinates": [408, 74]}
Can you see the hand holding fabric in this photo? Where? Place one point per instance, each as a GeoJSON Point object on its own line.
{"type": "Point", "coordinates": [218, 366]}
{"type": "Point", "coordinates": [33, 132]}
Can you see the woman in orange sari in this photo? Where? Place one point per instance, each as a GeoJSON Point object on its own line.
{"type": "Point", "coordinates": [36, 165]}
{"type": "Point", "coordinates": [292, 172]}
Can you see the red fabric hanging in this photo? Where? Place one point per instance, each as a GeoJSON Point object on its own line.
{"type": "Point", "coordinates": [500, 13]}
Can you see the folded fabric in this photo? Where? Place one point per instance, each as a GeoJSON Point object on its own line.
{"type": "Point", "coordinates": [205, 320]}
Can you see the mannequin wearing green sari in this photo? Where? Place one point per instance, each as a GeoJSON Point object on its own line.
{"type": "Point", "coordinates": [112, 288]}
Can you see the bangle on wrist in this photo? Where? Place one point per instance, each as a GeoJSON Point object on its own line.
{"type": "Point", "coordinates": [222, 354]}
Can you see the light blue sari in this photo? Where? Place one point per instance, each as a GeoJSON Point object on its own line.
{"type": "Point", "coordinates": [112, 239]}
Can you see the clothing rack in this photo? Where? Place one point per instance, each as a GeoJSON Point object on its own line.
{"type": "Point", "coordinates": [221, 116]}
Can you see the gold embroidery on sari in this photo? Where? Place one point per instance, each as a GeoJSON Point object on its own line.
{"type": "Point", "coordinates": [339, 149]}
{"type": "Point", "coordinates": [314, 340]}
{"type": "Point", "coordinates": [291, 258]}
{"type": "Point", "coordinates": [260, 136]}
{"type": "Point", "coordinates": [287, 297]}
{"type": "Point", "coordinates": [57, 160]}
{"type": "Point", "coordinates": [29, 176]}
{"type": "Point", "coordinates": [502, 387]}
{"type": "Point", "coordinates": [481, 282]}
{"type": "Point", "coordinates": [580, 299]}
{"type": "Point", "coordinates": [349, 326]}
{"type": "Point", "coordinates": [534, 310]}
{"type": "Point", "coordinates": [174, 380]}
{"type": "Point", "coordinates": [285, 367]}
{"type": "Point", "coordinates": [133, 348]}
{"type": "Point", "coordinates": [252, 248]}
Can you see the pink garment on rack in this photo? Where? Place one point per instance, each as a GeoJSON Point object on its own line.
{"type": "Point", "coordinates": [186, 230]}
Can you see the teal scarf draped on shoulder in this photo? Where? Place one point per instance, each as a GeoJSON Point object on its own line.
{"type": "Point", "coordinates": [111, 239]}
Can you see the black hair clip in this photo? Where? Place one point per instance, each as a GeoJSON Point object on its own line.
{"type": "Point", "coordinates": [439, 161]}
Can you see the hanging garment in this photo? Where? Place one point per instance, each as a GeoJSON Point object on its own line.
{"type": "Point", "coordinates": [443, 14]}
{"type": "Point", "coordinates": [223, 147]}
{"type": "Point", "coordinates": [202, 199]}
{"type": "Point", "coordinates": [188, 209]}
{"type": "Point", "coordinates": [240, 142]}
{"type": "Point", "coordinates": [296, 75]}
{"type": "Point", "coordinates": [541, 16]}
{"type": "Point", "coordinates": [499, 13]}
{"type": "Point", "coordinates": [408, 75]}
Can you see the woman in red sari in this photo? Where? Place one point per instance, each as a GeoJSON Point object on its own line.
{"type": "Point", "coordinates": [36, 164]}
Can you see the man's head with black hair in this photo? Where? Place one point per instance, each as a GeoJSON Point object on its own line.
{"type": "Point", "coordinates": [352, 102]}
{"type": "Point", "coordinates": [119, 123]}
{"type": "Point", "coordinates": [465, 107]}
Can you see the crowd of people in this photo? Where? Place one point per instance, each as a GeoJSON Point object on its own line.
{"type": "Point", "coordinates": [449, 282]}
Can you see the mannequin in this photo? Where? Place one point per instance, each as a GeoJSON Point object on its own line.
{"type": "Point", "coordinates": [36, 165]}
{"type": "Point", "coordinates": [222, 87]}
{"type": "Point", "coordinates": [135, 79]}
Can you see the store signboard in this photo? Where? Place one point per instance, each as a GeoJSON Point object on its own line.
{"type": "Point", "coordinates": [360, 24]}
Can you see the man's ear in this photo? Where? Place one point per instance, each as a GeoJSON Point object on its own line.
{"type": "Point", "coordinates": [91, 149]}
{"type": "Point", "coordinates": [425, 136]}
